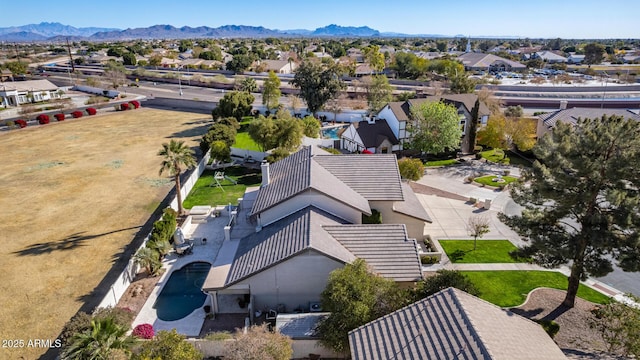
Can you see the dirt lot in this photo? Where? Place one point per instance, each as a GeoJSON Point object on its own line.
{"type": "Point", "coordinates": [73, 195]}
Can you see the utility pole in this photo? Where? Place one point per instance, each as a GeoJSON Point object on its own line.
{"type": "Point", "coordinates": [73, 66]}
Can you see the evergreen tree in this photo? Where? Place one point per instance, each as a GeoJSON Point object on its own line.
{"type": "Point", "coordinates": [473, 127]}
{"type": "Point", "coordinates": [582, 200]}
{"type": "Point", "coordinates": [318, 84]}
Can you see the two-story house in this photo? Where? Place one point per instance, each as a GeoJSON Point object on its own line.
{"type": "Point", "coordinates": [398, 116]}
{"type": "Point", "coordinates": [307, 219]}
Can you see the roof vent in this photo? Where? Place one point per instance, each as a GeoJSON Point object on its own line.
{"type": "Point", "coordinates": [315, 307]}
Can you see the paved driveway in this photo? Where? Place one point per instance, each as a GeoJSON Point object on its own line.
{"type": "Point", "coordinates": [450, 216]}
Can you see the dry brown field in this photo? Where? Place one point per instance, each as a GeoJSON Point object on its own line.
{"type": "Point", "coordinates": [73, 195]}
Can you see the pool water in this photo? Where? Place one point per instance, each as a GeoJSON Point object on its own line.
{"type": "Point", "coordinates": [332, 133]}
{"type": "Point", "coordinates": [183, 292]}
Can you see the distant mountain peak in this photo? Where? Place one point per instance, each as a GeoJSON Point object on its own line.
{"type": "Point", "coordinates": [337, 30]}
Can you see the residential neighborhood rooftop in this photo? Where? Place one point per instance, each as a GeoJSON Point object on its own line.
{"type": "Point", "coordinates": [572, 115]}
{"type": "Point", "coordinates": [452, 324]}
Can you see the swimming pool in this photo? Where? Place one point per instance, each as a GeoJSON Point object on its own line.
{"type": "Point", "coordinates": [183, 292]}
{"type": "Point", "coordinates": [332, 132]}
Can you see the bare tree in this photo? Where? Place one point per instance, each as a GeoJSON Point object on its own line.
{"type": "Point", "coordinates": [477, 227]}
{"type": "Point", "coordinates": [296, 103]}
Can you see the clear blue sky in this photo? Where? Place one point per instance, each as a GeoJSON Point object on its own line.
{"type": "Point", "coordinates": [524, 18]}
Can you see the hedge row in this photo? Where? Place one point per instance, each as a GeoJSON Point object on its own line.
{"type": "Point", "coordinates": [128, 106]}
{"type": "Point", "coordinates": [45, 119]}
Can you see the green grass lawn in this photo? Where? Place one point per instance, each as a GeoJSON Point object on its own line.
{"type": "Point", "coordinates": [510, 288]}
{"type": "Point", "coordinates": [504, 157]}
{"type": "Point", "coordinates": [487, 251]}
{"type": "Point", "coordinates": [447, 162]}
{"type": "Point", "coordinates": [495, 155]}
{"type": "Point", "coordinates": [244, 141]}
{"type": "Point", "coordinates": [203, 193]}
{"type": "Point", "coordinates": [488, 180]}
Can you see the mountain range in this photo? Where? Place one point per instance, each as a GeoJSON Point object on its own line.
{"type": "Point", "coordinates": [56, 32]}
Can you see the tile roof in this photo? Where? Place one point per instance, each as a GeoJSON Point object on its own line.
{"type": "Point", "coordinates": [480, 60]}
{"type": "Point", "coordinates": [550, 55]}
{"type": "Point", "coordinates": [285, 238]}
{"type": "Point", "coordinates": [452, 324]}
{"type": "Point", "coordinates": [572, 115]}
{"type": "Point", "coordinates": [274, 65]}
{"type": "Point", "coordinates": [374, 176]}
{"type": "Point", "coordinates": [299, 172]}
{"type": "Point", "coordinates": [383, 246]}
{"type": "Point", "coordinates": [373, 135]}
{"type": "Point", "coordinates": [411, 206]}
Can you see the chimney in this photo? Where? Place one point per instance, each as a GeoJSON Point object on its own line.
{"type": "Point", "coordinates": [265, 172]}
{"type": "Point", "coordinates": [563, 104]}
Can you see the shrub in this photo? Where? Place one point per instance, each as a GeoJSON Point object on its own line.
{"type": "Point", "coordinates": [124, 106]}
{"type": "Point", "coordinates": [76, 114]}
{"type": "Point", "coordinates": [21, 123]}
{"type": "Point", "coordinates": [478, 156]}
{"type": "Point", "coordinates": [122, 317]}
{"type": "Point", "coordinates": [472, 199]}
{"type": "Point", "coordinates": [374, 218]}
{"type": "Point", "coordinates": [477, 149]}
{"type": "Point", "coordinates": [11, 124]}
{"type": "Point", "coordinates": [43, 119]}
{"type": "Point", "coordinates": [506, 172]}
{"type": "Point", "coordinates": [428, 260]}
{"type": "Point", "coordinates": [411, 169]}
{"type": "Point", "coordinates": [91, 111]}
{"type": "Point", "coordinates": [59, 117]}
{"type": "Point", "coordinates": [144, 331]}
{"type": "Point", "coordinates": [79, 323]}
{"type": "Point", "coordinates": [219, 335]}
{"type": "Point", "coordinates": [550, 326]}
{"type": "Point", "coordinates": [135, 104]}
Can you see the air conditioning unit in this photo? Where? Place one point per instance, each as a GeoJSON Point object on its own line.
{"type": "Point", "coordinates": [315, 307]}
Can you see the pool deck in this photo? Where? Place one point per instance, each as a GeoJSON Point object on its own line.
{"type": "Point", "coordinates": [190, 325]}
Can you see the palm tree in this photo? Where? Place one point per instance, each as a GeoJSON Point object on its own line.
{"type": "Point", "coordinates": [176, 156]}
{"type": "Point", "coordinates": [104, 339]}
{"type": "Point", "coordinates": [149, 259]}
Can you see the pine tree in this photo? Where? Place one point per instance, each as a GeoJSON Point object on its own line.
{"type": "Point", "coordinates": [582, 199]}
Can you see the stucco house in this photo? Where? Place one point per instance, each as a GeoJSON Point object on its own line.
{"type": "Point", "coordinates": [489, 62]}
{"type": "Point", "coordinates": [549, 57]}
{"type": "Point", "coordinates": [306, 221]}
{"type": "Point", "coordinates": [547, 121]}
{"type": "Point", "coordinates": [23, 92]}
{"type": "Point", "coordinates": [452, 324]}
{"type": "Point", "coordinates": [279, 66]}
{"type": "Point", "coordinates": [398, 116]}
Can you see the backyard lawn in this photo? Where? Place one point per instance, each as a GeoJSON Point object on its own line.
{"type": "Point", "coordinates": [243, 140]}
{"type": "Point", "coordinates": [510, 288]}
{"type": "Point", "coordinates": [207, 192]}
{"type": "Point", "coordinates": [487, 251]}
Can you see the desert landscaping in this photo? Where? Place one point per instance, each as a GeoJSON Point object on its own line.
{"type": "Point", "coordinates": [74, 195]}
